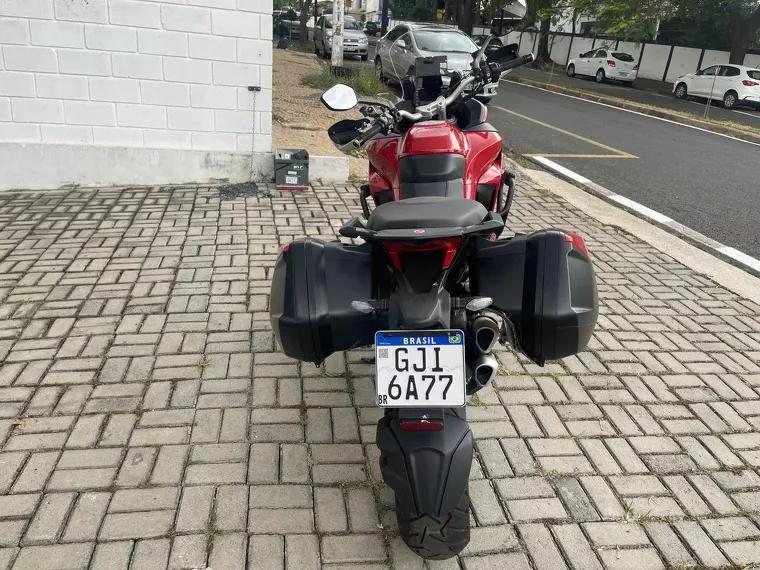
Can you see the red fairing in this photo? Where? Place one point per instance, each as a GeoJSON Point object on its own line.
{"type": "Point", "coordinates": [483, 163]}
{"type": "Point", "coordinates": [482, 151]}
{"type": "Point", "coordinates": [383, 165]}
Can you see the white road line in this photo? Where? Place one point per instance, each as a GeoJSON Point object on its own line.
{"type": "Point", "coordinates": [748, 114]}
{"type": "Point", "coordinates": [733, 253]}
{"type": "Point", "coordinates": [641, 209]}
{"type": "Point", "coordinates": [562, 170]}
{"type": "Point", "coordinates": [741, 257]}
{"type": "Point", "coordinates": [635, 113]}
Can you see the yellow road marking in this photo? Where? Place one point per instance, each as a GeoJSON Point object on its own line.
{"type": "Point", "coordinates": [616, 153]}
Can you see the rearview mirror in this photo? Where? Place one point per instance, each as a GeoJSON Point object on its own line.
{"type": "Point", "coordinates": [340, 97]}
{"type": "Point", "coordinates": [401, 44]}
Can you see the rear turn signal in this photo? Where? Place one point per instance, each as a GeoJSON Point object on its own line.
{"type": "Point", "coordinates": [577, 242]}
{"type": "Point", "coordinates": [421, 425]}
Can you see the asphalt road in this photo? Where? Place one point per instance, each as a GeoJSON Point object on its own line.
{"type": "Point", "coordinates": [641, 94]}
{"type": "Point", "coordinates": [703, 180]}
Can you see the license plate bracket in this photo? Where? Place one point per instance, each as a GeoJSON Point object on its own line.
{"type": "Point", "coordinates": [420, 369]}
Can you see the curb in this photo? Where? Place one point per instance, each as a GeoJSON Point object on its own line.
{"type": "Point", "coordinates": [646, 110]}
{"type": "Point", "coordinates": [725, 253]}
{"type": "Point", "coordinates": [332, 169]}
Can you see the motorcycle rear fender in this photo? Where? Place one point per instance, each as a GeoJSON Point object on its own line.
{"type": "Point", "coordinates": [428, 471]}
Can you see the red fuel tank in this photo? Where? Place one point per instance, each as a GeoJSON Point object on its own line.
{"type": "Point", "coordinates": [433, 137]}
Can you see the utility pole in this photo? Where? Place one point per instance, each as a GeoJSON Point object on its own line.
{"type": "Point", "coordinates": [337, 27]}
{"type": "Point", "coordinates": [384, 17]}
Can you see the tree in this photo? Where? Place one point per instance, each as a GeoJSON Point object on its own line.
{"type": "Point", "coordinates": [745, 24]}
{"type": "Point", "coordinates": [544, 11]}
{"type": "Point", "coordinates": [416, 10]}
{"type": "Point", "coordinates": [305, 7]}
{"type": "Point", "coordinates": [717, 24]}
{"type": "Point", "coordinates": [634, 20]}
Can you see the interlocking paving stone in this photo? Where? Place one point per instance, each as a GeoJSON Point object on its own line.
{"type": "Point", "coordinates": [147, 418]}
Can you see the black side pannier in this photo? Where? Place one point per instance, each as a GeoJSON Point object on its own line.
{"type": "Point", "coordinates": [313, 286]}
{"type": "Point", "coordinates": [545, 284]}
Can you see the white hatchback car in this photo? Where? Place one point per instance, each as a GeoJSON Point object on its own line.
{"type": "Point", "coordinates": [603, 64]}
{"type": "Point", "coordinates": [733, 84]}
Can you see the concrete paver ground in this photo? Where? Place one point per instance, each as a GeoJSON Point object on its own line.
{"type": "Point", "coordinates": [147, 419]}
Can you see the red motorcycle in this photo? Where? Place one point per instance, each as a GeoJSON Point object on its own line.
{"type": "Point", "coordinates": [432, 287]}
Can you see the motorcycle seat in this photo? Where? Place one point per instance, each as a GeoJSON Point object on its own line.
{"type": "Point", "coordinates": [427, 212]}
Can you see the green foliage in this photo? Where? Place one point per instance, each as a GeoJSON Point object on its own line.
{"type": "Point", "coordinates": [706, 23]}
{"type": "Point", "coordinates": [631, 19]}
{"type": "Point", "coordinates": [415, 10]}
{"type": "Point", "coordinates": [700, 23]}
{"type": "Point", "coordinates": [364, 82]}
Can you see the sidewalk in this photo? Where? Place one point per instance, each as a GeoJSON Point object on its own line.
{"type": "Point", "coordinates": [146, 417]}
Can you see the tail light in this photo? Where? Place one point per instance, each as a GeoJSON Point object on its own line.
{"type": "Point", "coordinates": [611, 62]}
{"type": "Point", "coordinates": [422, 262]}
{"type": "Point", "coordinates": [577, 241]}
{"type": "Point", "coordinates": [635, 66]}
{"type": "Point", "coordinates": [398, 251]}
{"type": "Point", "coordinates": [750, 83]}
{"type": "Point", "coordinates": [421, 425]}
{"type": "Point", "coordinates": [284, 247]}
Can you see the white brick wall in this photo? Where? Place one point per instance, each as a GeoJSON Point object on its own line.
{"type": "Point", "coordinates": [168, 74]}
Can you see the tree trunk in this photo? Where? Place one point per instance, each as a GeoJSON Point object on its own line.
{"type": "Point", "coordinates": [467, 17]}
{"type": "Point", "coordinates": [451, 11]}
{"type": "Point", "coordinates": [742, 32]}
{"type": "Point", "coordinates": [303, 19]}
{"type": "Point", "coordinates": [543, 57]}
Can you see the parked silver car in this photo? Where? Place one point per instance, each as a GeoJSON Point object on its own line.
{"type": "Point", "coordinates": [355, 41]}
{"type": "Point", "coordinates": [398, 49]}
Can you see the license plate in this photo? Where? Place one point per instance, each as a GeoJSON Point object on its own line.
{"type": "Point", "coordinates": [420, 369]}
{"type": "Point", "coordinates": [623, 73]}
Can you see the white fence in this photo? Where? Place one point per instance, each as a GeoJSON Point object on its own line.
{"type": "Point", "coordinates": [656, 61]}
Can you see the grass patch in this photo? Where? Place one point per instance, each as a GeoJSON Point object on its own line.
{"type": "Point", "coordinates": [364, 82]}
{"type": "Point", "coordinates": [308, 47]}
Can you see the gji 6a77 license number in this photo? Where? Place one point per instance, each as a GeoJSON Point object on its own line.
{"type": "Point", "coordinates": [420, 368]}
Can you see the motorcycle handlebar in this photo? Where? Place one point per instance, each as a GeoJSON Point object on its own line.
{"type": "Point", "coordinates": [375, 129]}
{"type": "Point", "coordinates": [499, 68]}
{"type": "Point", "coordinates": [441, 104]}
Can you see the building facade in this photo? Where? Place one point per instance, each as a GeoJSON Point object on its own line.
{"type": "Point", "coordinates": [98, 92]}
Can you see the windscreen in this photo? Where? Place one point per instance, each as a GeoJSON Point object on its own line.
{"type": "Point", "coordinates": [444, 42]}
{"type": "Point", "coordinates": [622, 56]}
{"type": "Point", "coordinates": [754, 74]}
{"type": "Point", "coordinates": [348, 24]}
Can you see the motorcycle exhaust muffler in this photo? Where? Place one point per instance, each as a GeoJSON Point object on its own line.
{"type": "Point", "coordinates": [484, 369]}
{"type": "Point", "coordinates": [486, 332]}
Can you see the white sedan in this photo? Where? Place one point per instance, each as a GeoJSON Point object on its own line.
{"type": "Point", "coordinates": [732, 84]}
{"type": "Point", "coordinates": [604, 64]}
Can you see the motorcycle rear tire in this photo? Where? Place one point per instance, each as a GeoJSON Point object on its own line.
{"type": "Point", "coordinates": [436, 538]}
